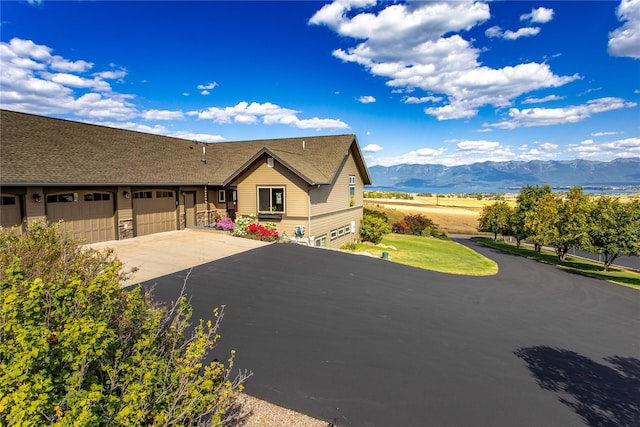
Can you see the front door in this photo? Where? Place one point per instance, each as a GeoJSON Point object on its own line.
{"type": "Point", "coordinates": [232, 203]}
{"type": "Point", "coordinates": [190, 209]}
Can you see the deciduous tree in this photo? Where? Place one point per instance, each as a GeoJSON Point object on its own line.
{"type": "Point", "coordinates": [614, 229]}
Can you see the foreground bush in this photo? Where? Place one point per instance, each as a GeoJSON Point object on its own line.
{"type": "Point", "coordinates": [75, 349]}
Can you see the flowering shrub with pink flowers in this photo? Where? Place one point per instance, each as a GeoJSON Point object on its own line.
{"type": "Point", "coordinates": [225, 224]}
{"type": "Point", "coordinates": [266, 233]}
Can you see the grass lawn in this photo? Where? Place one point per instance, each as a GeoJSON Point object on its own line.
{"type": "Point", "coordinates": [445, 256]}
{"type": "Point", "coordinates": [593, 269]}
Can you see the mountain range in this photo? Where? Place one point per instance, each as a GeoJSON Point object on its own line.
{"type": "Point", "coordinates": [511, 175]}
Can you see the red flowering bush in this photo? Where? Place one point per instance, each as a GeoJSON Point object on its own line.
{"type": "Point", "coordinates": [266, 233]}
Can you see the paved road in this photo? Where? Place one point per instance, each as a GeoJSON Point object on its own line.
{"type": "Point", "coordinates": [373, 343]}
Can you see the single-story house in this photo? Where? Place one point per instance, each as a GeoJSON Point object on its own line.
{"type": "Point", "coordinates": [109, 184]}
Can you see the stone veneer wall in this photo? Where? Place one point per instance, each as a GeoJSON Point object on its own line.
{"type": "Point", "coordinates": [125, 229]}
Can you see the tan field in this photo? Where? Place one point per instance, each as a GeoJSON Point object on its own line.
{"type": "Point", "coordinates": [452, 213]}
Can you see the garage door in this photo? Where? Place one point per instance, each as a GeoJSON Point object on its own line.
{"type": "Point", "coordinates": [154, 211]}
{"type": "Point", "coordinates": [10, 211]}
{"type": "Point", "coordinates": [87, 215]}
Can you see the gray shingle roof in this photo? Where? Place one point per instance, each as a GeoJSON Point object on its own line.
{"type": "Point", "coordinates": [42, 150]}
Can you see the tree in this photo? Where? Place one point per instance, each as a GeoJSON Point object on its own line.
{"type": "Point", "coordinates": [528, 197]}
{"type": "Point", "coordinates": [573, 212]}
{"type": "Point", "coordinates": [542, 219]}
{"type": "Point", "coordinates": [76, 349]}
{"type": "Point", "coordinates": [614, 229]}
{"type": "Point", "coordinates": [496, 218]}
{"type": "Point", "coordinates": [373, 229]}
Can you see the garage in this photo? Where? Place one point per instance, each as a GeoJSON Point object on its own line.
{"type": "Point", "coordinates": [88, 215]}
{"type": "Point", "coordinates": [154, 211]}
{"type": "Point", "coordinates": [10, 210]}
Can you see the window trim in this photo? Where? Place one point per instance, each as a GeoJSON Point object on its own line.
{"type": "Point", "coordinates": [352, 180]}
{"type": "Point", "coordinates": [271, 188]}
{"type": "Point", "coordinates": [222, 198]}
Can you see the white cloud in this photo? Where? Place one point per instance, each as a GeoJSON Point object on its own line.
{"type": "Point", "coordinates": [119, 74]}
{"type": "Point", "coordinates": [205, 89]}
{"type": "Point", "coordinates": [421, 46]}
{"type": "Point", "coordinates": [597, 134]}
{"type": "Point", "coordinates": [625, 41]}
{"type": "Point", "coordinates": [421, 100]}
{"type": "Point", "coordinates": [367, 99]}
{"type": "Point", "coordinates": [553, 116]}
{"type": "Point", "coordinates": [628, 147]}
{"type": "Point", "coordinates": [35, 81]}
{"type": "Point", "coordinates": [160, 130]}
{"type": "Point", "coordinates": [547, 98]}
{"type": "Point", "coordinates": [541, 15]}
{"type": "Point", "coordinates": [372, 148]}
{"type": "Point", "coordinates": [245, 113]}
{"type": "Point", "coordinates": [476, 147]}
{"type": "Point", "coordinates": [512, 35]}
{"type": "Point", "coordinates": [548, 146]}
{"type": "Point", "coordinates": [162, 115]}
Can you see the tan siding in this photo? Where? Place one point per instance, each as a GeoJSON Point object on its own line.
{"type": "Point", "coordinates": [296, 204]}
{"type": "Point", "coordinates": [335, 197]}
{"type": "Point", "coordinates": [322, 225]}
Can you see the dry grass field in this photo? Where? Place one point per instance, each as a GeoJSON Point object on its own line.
{"type": "Point", "coordinates": [453, 213]}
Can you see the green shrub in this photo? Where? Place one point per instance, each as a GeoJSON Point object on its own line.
{"type": "Point", "coordinates": [76, 349]}
{"type": "Point", "coordinates": [376, 213]}
{"type": "Point", "coordinates": [373, 229]}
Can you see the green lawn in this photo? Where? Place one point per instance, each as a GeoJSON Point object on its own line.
{"type": "Point", "coordinates": [593, 269]}
{"type": "Point", "coordinates": [445, 256]}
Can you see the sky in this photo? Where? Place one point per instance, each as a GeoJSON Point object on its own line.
{"type": "Point", "coordinates": [420, 82]}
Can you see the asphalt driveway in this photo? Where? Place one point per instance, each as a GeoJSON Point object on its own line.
{"type": "Point", "coordinates": [373, 343]}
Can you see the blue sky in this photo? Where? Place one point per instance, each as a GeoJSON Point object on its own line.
{"type": "Point", "coordinates": [417, 82]}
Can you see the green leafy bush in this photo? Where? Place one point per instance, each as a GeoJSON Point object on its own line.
{"type": "Point", "coordinates": [76, 349]}
{"type": "Point", "coordinates": [373, 229]}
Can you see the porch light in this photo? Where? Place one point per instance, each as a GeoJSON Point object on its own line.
{"type": "Point", "coordinates": [36, 197]}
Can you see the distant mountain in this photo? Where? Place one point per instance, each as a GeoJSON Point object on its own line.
{"type": "Point", "coordinates": [509, 175]}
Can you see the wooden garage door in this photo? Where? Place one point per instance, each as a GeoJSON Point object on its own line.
{"type": "Point", "coordinates": [87, 215]}
{"type": "Point", "coordinates": [154, 211]}
{"type": "Point", "coordinates": [10, 211]}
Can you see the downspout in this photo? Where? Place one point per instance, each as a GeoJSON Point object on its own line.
{"type": "Point", "coordinates": [309, 218]}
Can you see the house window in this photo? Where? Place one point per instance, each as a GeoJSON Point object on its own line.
{"type": "Point", "coordinates": [347, 229]}
{"type": "Point", "coordinates": [340, 232]}
{"type": "Point", "coordinates": [352, 180]}
{"type": "Point", "coordinates": [352, 195]}
{"type": "Point", "coordinates": [221, 196]}
{"type": "Point", "coordinates": [321, 241]}
{"type": "Point", "coordinates": [271, 199]}
{"type": "Point", "coordinates": [164, 194]}
{"type": "Point", "coordinates": [334, 234]}
{"type": "Point", "coordinates": [94, 197]}
{"type": "Point", "coordinates": [62, 198]}
{"type": "Point", "coordinates": [7, 200]}
{"type": "Point", "coordinates": [143, 195]}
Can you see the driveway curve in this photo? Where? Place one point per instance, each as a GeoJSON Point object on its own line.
{"type": "Point", "coordinates": [371, 343]}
